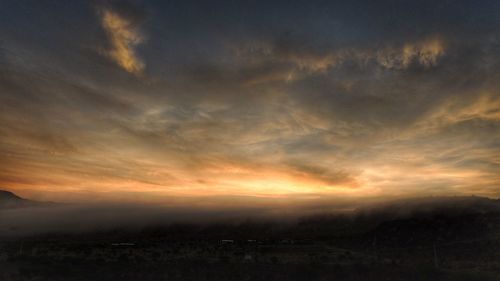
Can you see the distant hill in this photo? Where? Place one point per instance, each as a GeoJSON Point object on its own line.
{"type": "Point", "coordinates": [442, 220]}
{"type": "Point", "coordinates": [11, 200]}
{"type": "Point", "coordinates": [432, 206]}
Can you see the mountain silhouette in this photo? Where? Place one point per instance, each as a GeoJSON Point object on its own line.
{"type": "Point", "coordinates": [432, 206]}
{"type": "Point", "coordinates": [11, 200]}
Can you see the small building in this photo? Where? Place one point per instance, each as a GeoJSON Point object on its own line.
{"type": "Point", "coordinates": [126, 244]}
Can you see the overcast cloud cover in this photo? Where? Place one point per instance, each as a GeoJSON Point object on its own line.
{"type": "Point", "coordinates": [144, 100]}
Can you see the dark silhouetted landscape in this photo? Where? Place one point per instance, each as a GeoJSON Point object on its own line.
{"type": "Point", "coordinates": [434, 238]}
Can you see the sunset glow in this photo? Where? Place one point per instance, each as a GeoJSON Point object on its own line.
{"type": "Point", "coordinates": [146, 101]}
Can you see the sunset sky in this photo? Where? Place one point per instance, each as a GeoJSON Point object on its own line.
{"type": "Point", "coordinates": [268, 100]}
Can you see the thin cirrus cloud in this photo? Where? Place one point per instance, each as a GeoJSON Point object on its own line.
{"type": "Point", "coordinates": [425, 52]}
{"type": "Point", "coordinates": [299, 104]}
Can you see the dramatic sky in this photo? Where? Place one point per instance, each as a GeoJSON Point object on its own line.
{"type": "Point", "coordinates": [146, 100]}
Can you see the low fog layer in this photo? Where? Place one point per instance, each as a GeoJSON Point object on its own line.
{"type": "Point", "coordinates": [70, 218]}
{"type": "Point", "coordinates": [54, 217]}
{"type": "Point", "coordinates": [82, 218]}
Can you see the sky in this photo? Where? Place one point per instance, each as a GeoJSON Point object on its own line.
{"type": "Point", "coordinates": [249, 101]}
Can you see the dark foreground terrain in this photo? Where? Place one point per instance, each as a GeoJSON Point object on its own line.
{"type": "Point", "coordinates": [425, 239]}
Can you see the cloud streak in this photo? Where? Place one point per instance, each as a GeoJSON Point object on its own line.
{"type": "Point", "coordinates": [345, 99]}
{"type": "Point", "coordinates": [124, 37]}
{"type": "Point", "coordinates": [302, 61]}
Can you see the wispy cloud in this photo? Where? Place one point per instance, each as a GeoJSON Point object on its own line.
{"type": "Point", "coordinates": [394, 102]}
{"type": "Point", "coordinates": [302, 61]}
{"type": "Point", "coordinates": [124, 36]}
{"type": "Point", "coordinates": [425, 52]}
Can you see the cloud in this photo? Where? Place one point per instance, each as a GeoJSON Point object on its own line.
{"type": "Point", "coordinates": [124, 36]}
{"type": "Point", "coordinates": [425, 53]}
{"type": "Point", "coordinates": [365, 98]}
{"type": "Point", "coordinates": [291, 59]}
{"type": "Point", "coordinates": [322, 174]}
{"type": "Point", "coordinates": [484, 107]}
